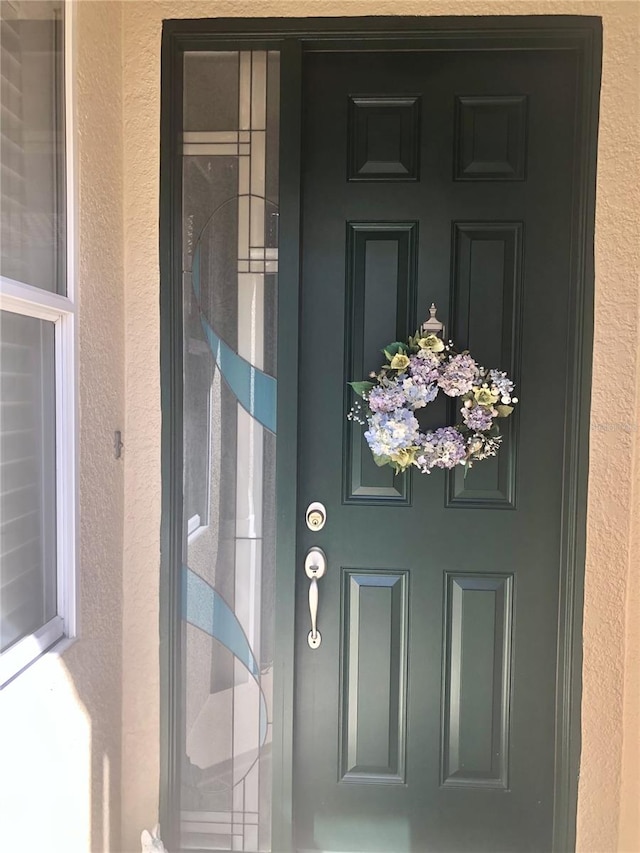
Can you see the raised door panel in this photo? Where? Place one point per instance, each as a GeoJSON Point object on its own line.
{"type": "Point", "coordinates": [487, 296]}
{"type": "Point", "coordinates": [491, 138]}
{"type": "Point", "coordinates": [373, 690]}
{"type": "Point", "coordinates": [477, 673]}
{"type": "Point", "coordinates": [384, 138]}
{"type": "Point", "coordinates": [381, 306]}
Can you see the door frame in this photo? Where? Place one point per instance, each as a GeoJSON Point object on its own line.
{"type": "Point", "coordinates": [293, 37]}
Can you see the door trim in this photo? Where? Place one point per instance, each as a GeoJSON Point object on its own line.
{"type": "Point", "coordinates": [293, 37]}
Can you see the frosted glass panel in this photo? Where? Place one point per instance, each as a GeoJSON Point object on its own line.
{"type": "Point", "coordinates": [230, 261]}
{"type": "Point", "coordinates": [211, 91]}
{"type": "Point", "coordinates": [27, 476]}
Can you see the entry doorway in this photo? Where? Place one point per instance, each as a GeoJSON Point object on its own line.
{"type": "Point", "coordinates": [324, 182]}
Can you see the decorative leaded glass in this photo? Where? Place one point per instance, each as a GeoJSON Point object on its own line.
{"type": "Point", "coordinates": [230, 263]}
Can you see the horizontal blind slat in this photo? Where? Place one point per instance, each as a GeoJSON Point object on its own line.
{"type": "Point", "coordinates": [27, 476]}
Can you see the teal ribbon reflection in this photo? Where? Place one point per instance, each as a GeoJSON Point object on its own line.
{"type": "Point", "coordinates": [204, 608]}
{"type": "Point", "coordinates": [254, 389]}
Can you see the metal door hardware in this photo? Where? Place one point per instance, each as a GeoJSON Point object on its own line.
{"type": "Point", "coordinates": [316, 516]}
{"type": "Point", "coordinates": [315, 566]}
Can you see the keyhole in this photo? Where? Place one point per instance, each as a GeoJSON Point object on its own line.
{"type": "Point", "coordinates": [315, 516]}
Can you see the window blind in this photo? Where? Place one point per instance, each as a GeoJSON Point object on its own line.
{"type": "Point", "coordinates": [27, 476]}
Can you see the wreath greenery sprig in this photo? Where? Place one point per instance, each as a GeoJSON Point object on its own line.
{"type": "Point", "coordinates": [412, 377]}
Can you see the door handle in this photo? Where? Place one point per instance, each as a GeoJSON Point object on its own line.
{"type": "Point", "coordinates": [315, 566]}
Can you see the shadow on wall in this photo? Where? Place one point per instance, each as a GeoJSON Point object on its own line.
{"type": "Point", "coordinates": [60, 747]}
{"type": "Point", "coordinates": [98, 690]}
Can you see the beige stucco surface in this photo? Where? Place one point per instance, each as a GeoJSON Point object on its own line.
{"type": "Point", "coordinates": [79, 740]}
{"type": "Point", "coordinates": [60, 744]}
{"type": "Point", "coordinates": [608, 809]}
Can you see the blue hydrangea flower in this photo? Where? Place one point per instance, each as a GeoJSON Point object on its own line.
{"type": "Point", "coordinates": [389, 433]}
{"type": "Point", "coordinates": [457, 375]}
{"type": "Point", "coordinates": [477, 417]}
{"type": "Point", "coordinates": [502, 383]}
{"type": "Point", "coordinates": [416, 394]}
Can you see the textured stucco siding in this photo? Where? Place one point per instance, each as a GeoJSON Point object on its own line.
{"type": "Point", "coordinates": [608, 785]}
{"type": "Point", "coordinates": [79, 741]}
{"type": "Point", "coordinates": [60, 744]}
{"type": "Point", "coordinates": [95, 662]}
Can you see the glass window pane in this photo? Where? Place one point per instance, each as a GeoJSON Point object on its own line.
{"type": "Point", "coordinates": [32, 189]}
{"type": "Point", "coordinates": [211, 91]}
{"type": "Point", "coordinates": [230, 261]}
{"type": "Point", "coordinates": [27, 476]}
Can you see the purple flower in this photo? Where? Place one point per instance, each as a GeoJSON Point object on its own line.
{"type": "Point", "coordinates": [386, 398]}
{"type": "Point", "coordinates": [457, 375]}
{"type": "Point", "coordinates": [424, 367]}
{"type": "Point", "coordinates": [444, 448]}
{"type": "Point", "coordinates": [477, 417]}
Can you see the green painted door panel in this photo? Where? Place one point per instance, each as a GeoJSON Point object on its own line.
{"type": "Point", "coordinates": [425, 720]}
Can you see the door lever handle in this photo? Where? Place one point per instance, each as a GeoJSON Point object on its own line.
{"type": "Point", "coordinates": [315, 566]}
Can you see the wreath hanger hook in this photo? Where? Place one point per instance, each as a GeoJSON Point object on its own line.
{"type": "Point", "coordinates": [433, 326]}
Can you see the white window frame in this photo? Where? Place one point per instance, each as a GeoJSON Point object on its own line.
{"type": "Point", "coordinates": [31, 301]}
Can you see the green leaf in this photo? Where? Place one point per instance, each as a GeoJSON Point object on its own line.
{"type": "Point", "coordinates": [413, 342]}
{"type": "Point", "coordinates": [393, 349]}
{"type": "Point", "coordinates": [504, 411]}
{"type": "Point", "coordinates": [381, 461]}
{"type": "Point", "coordinates": [361, 388]}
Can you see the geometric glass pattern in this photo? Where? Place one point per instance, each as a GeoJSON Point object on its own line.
{"type": "Point", "coordinates": [230, 262]}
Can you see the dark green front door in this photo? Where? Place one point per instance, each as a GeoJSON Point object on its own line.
{"type": "Point", "coordinates": [426, 719]}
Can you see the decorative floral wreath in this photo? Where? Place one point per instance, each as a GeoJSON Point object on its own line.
{"type": "Point", "coordinates": [412, 377]}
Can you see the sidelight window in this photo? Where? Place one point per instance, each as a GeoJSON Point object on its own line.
{"type": "Point", "coordinates": [230, 263]}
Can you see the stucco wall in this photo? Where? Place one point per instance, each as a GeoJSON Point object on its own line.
{"type": "Point", "coordinates": [608, 793]}
{"type": "Point", "coordinates": [60, 746]}
{"type": "Point", "coordinates": [608, 813]}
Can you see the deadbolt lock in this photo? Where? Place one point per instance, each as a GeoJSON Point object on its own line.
{"type": "Point", "coordinates": [315, 516]}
